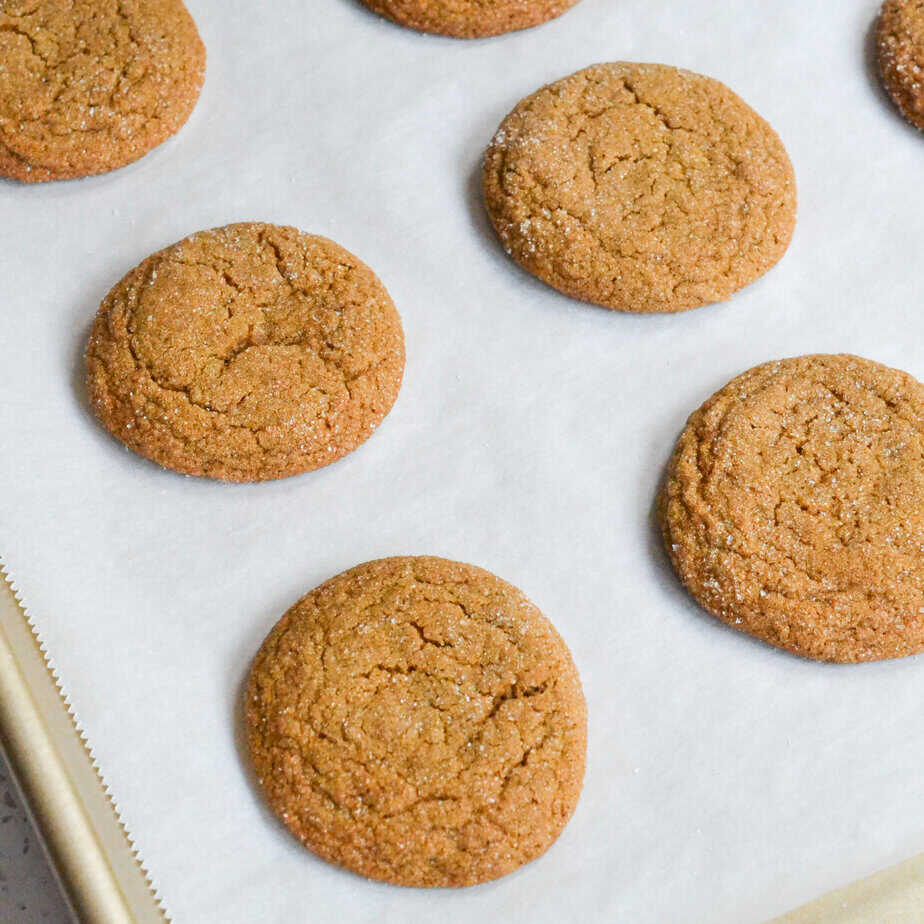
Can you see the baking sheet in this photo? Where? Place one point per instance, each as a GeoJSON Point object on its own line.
{"type": "Point", "coordinates": [895, 895]}
{"type": "Point", "coordinates": [727, 782]}
{"type": "Point", "coordinates": [96, 863]}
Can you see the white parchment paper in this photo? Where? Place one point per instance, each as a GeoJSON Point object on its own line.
{"type": "Point", "coordinates": [726, 781]}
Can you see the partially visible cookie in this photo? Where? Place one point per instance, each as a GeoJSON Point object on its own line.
{"type": "Point", "coordinates": [418, 721]}
{"type": "Point", "coordinates": [469, 18]}
{"type": "Point", "coordinates": [87, 86]}
{"type": "Point", "coordinates": [794, 507]}
{"type": "Point", "coordinates": [246, 353]}
{"type": "Point", "coordinates": [900, 45]}
{"type": "Point", "coordinates": [640, 187]}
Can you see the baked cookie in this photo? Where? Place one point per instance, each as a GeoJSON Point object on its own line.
{"type": "Point", "coordinates": [87, 86]}
{"type": "Point", "coordinates": [246, 353]}
{"type": "Point", "coordinates": [794, 507]}
{"type": "Point", "coordinates": [418, 721]}
{"type": "Point", "coordinates": [900, 47]}
{"type": "Point", "coordinates": [469, 18]}
{"type": "Point", "coordinates": [640, 187]}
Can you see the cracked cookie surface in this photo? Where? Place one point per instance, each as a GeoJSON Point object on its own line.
{"type": "Point", "coordinates": [87, 86]}
{"type": "Point", "coordinates": [794, 507]}
{"type": "Point", "coordinates": [418, 721]}
{"type": "Point", "coordinates": [640, 187]}
{"type": "Point", "coordinates": [469, 18]}
{"type": "Point", "coordinates": [900, 48]}
{"type": "Point", "coordinates": [246, 353]}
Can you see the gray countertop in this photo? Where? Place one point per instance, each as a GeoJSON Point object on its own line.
{"type": "Point", "coordinates": [28, 889]}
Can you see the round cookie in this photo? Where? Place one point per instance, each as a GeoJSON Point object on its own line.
{"type": "Point", "coordinates": [900, 47]}
{"type": "Point", "coordinates": [418, 721]}
{"type": "Point", "coordinates": [89, 86]}
{"type": "Point", "coordinates": [246, 353]}
{"type": "Point", "coordinates": [640, 187]}
{"type": "Point", "coordinates": [469, 18]}
{"type": "Point", "coordinates": [794, 507]}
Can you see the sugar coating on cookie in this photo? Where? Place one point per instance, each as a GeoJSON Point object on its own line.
{"type": "Point", "coordinates": [246, 353]}
{"type": "Point", "coordinates": [640, 187]}
{"type": "Point", "coordinates": [469, 18]}
{"type": "Point", "coordinates": [794, 507]}
{"type": "Point", "coordinates": [418, 721]}
{"type": "Point", "coordinates": [900, 47]}
{"type": "Point", "coordinates": [88, 86]}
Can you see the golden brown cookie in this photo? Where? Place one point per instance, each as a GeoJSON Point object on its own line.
{"type": "Point", "coordinates": [794, 507]}
{"type": "Point", "coordinates": [900, 46]}
{"type": "Point", "coordinates": [246, 353]}
{"type": "Point", "coordinates": [87, 86]}
{"type": "Point", "coordinates": [640, 187]}
{"type": "Point", "coordinates": [469, 18]}
{"type": "Point", "coordinates": [418, 721]}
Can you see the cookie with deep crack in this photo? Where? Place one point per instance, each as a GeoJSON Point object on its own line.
{"type": "Point", "coordinates": [794, 507]}
{"type": "Point", "coordinates": [469, 18]}
{"type": "Point", "coordinates": [640, 187]}
{"type": "Point", "coordinates": [900, 49]}
{"type": "Point", "coordinates": [89, 86]}
{"type": "Point", "coordinates": [246, 353]}
{"type": "Point", "coordinates": [418, 721]}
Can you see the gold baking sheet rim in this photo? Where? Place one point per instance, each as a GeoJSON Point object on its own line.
{"type": "Point", "coordinates": [66, 796]}
{"type": "Point", "coordinates": [99, 868]}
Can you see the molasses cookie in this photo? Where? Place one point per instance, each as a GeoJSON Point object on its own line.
{"type": "Point", "coordinates": [418, 721]}
{"type": "Point", "coordinates": [640, 187]}
{"type": "Point", "coordinates": [900, 46]}
{"type": "Point", "coordinates": [246, 353]}
{"type": "Point", "coordinates": [87, 86]}
{"type": "Point", "coordinates": [469, 18]}
{"type": "Point", "coordinates": [794, 507]}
